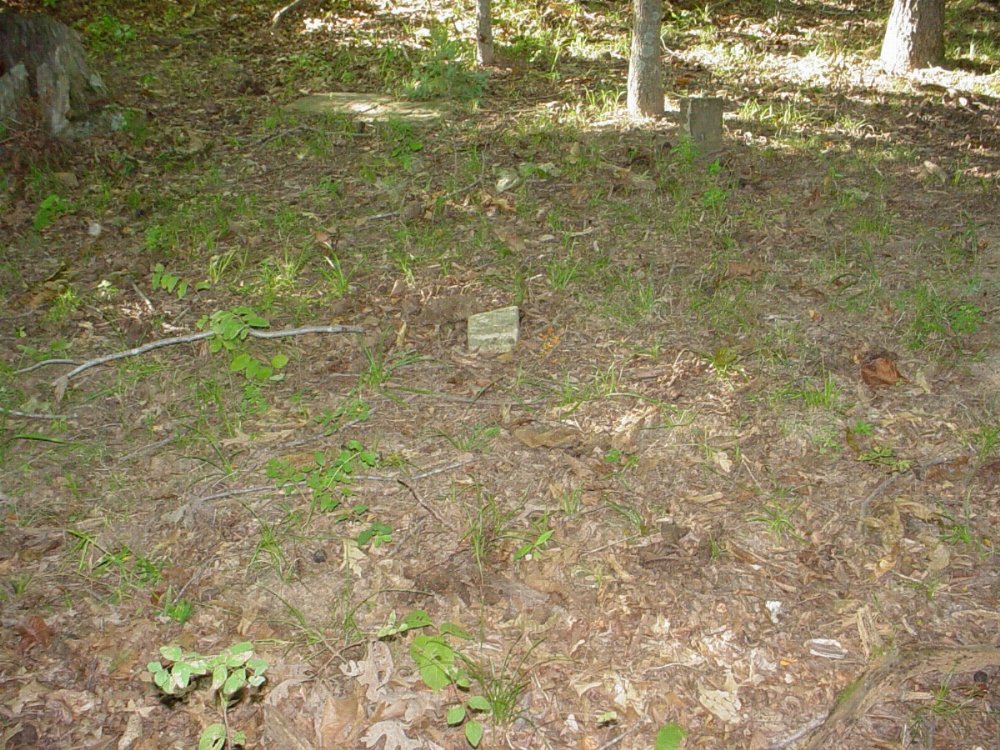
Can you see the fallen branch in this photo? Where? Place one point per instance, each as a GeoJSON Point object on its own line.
{"type": "Point", "coordinates": [30, 415]}
{"type": "Point", "coordinates": [280, 14]}
{"type": "Point", "coordinates": [61, 382]}
{"type": "Point", "coordinates": [882, 682]}
{"type": "Point", "coordinates": [44, 363]}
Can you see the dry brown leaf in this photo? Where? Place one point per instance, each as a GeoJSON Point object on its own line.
{"type": "Point", "coordinates": [880, 371]}
{"type": "Point", "coordinates": [33, 630]}
{"type": "Point", "coordinates": [557, 437]}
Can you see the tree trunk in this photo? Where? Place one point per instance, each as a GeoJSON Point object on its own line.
{"type": "Point", "coordinates": [914, 36]}
{"type": "Point", "coordinates": [44, 58]}
{"type": "Point", "coordinates": [484, 32]}
{"type": "Point", "coordinates": [645, 76]}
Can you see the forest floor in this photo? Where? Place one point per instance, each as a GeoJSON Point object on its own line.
{"type": "Point", "coordinates": [739, 476]}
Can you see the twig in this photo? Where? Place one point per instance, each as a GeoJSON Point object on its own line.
{"type": "Point", "coordinates": [144, 298]}
{"type": "Point", "coordinates": [807, 728]}
{"type": "Point", "coordinates": [420, 501]}
{"type": "Point", "coordinates": [30, 415]}
{"type": "Point", "coordinates": [883, 680]}
{"type": "Point", "coordinates": [616, 739]}
{"type": "Point", "coordinates": [280, 134]}
{"type": "Point", "coordinates": [44, 363]}
{"type": "Point", "coordinates": [358, 477]}
{"type": "Point", "coordinates": [60, 383]}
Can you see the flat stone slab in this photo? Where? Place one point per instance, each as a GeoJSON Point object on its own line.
{"type": "Point", "coordinates": [494, 332]}
{"type": "Point", "coordinates": [368, 107]}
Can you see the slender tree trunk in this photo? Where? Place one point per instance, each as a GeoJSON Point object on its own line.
{"type": "Point", "coordinates": [914, 36]}
{"type": "Point", "coordinates": [645, 75]}
{"type": "Point", "coordinates": [484, 32]}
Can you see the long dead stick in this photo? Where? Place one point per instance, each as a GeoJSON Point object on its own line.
{"type": "Point", "coordinates": [61, 382]}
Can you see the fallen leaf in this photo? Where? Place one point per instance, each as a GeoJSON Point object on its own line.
{"type": "Point", "coordinates": [722, 704]}
{"type": "Point", "coordinates": [880, 371]}
{"type": "Point", "coordinates": [33, 630]}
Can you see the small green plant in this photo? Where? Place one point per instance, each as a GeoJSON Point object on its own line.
{"type": "Point", "coordinates": [338, 279]}
{"type": "Point", "coordinates": [177, 609]}
{"type": "Point", "coordinates": [233, 672]}
{"type": "Point", "coordinates": [669, 736]}
{"type": "Point", "coordinates": [884, 455]}
{"type": "Point", "coordinates": [986, 440]}
{"type": "Point", "coordinates": [442, 74]}
{"type": "Point", "coordinates": [231, 329]}
{"type": "Point", "coordinates": [349, 410]}
{"type": "Point", "coordinates": [477, 440]}
{"type": "Point", "coordinates": [777, 518]}
{"type": "Point", "coordinates": [632, 515]}
{"type": "Point", "coordinates": [107, 33]}
{"type": "Point", "coordinates": [329, 476]}
{"type": "Point", "coordinates": [66, 303]}
{"type": "Point", "coordinates": [51, 208]}
{"type": "Point", "coordinates": [376, 534]}
{"type": "Point", "coordinates": [171, 283]}
{"type": "Point", "coordinates": [381, 367]}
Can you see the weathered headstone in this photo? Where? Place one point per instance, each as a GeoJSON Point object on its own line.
{"type": "Point", "coordinates": [701, 121]}
{"type": "Point", "coordinates": [494, 332]}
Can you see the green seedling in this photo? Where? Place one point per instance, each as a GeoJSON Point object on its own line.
{"type": "Point", "coordinates": [377, 534]}
{"type": "Point", "coordinates": [329, 476]}
{"type": "Point", "coordinates": [884, 455]}
{"type": "Point", "coordinates": [350, 410]}
{"type": "Point", "coordinates": [533, 546]}
{"type": "Point", "coordinates": [178, 610]}
{"type": "Point", "coordinates": [233, 672]}
{"type": "Point", "coordinates": [777, 518]}
{"type": "Point", "coordinates": [669, 737]}
{"type": "Point", "coordinates": [51, 208]}
{"type": "Point", "coordinates": [171, 283]}
{"type": "Point", "coordinates": [231, 329]}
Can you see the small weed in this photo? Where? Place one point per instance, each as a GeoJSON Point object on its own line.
{"type": "Point", "coordinates": [233, 671]}
{"type": "Point", "coordinates": [381, 367]}
{"type": "Point", "coordinates": [376, 534]}
{"type": "Point", "coordinates": [231, 329]}
{"type": "Point", "coordinates": [884, 455]}
{"type": "Point", "coordinates": [724, 361]}
{"type": "Point", "coordinates": [561, 272]}
{"type": "Point", "coordinates": [937, 316]}
{"type": "Point", "coordinates": [537, 541]}
{"type": "Point", "coordinates": [777, 518]}
{"type": "Point", "coordinates": [350, 410]}
{"type": "Point", "coordinates": [337, 278]}
{"type": "Point", "coordinates": [570, 501]}
{"type": "Point", "coordinates": [986, 440]}
{"type": "Point", "coordinates": [328, 476]}
{"type": "Point", "coordinates": [634, 518]}
{"type": "Point", "coordinates": [67, 302]}
{"type": "Point", "coordinates": [177, 609]}
{"type": "Point", "coordinates": [477, 440]}
{"type": "Point", "coordinates": [269, 552]}
{"type": "Point", "coordinates": [171, 283]}
{"type": "Point", "coordinates": [108, 34]}
{"type": "Point", "coordinates": [51, 208]}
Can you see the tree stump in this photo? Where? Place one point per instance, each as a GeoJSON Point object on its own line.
{"type": "Point", "coordinates": [43, 59]}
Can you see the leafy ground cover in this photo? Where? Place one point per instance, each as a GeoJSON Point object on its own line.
{"type": "Point", "coordinates": [746, 448]}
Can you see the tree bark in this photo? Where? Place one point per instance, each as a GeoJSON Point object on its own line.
{"type": "Point", "coordinates": [50, 55]}
{"type": "Point", "coordinates": [914, 36]}
{"type": "Point", "coordinates": [645, 75]}
{"type": "Point", "coordinates": [484, 32]}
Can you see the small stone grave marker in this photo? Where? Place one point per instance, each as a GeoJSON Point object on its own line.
{"type": "Point", "coordinates": [495, 331]}
{"type": "Point", "coordinates": [701, 120]}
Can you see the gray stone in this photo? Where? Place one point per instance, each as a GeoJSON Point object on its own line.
{"type": "Point", "coordinates": [701, 120]}
{"type": "Point", "coordinates": [494, 332]}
